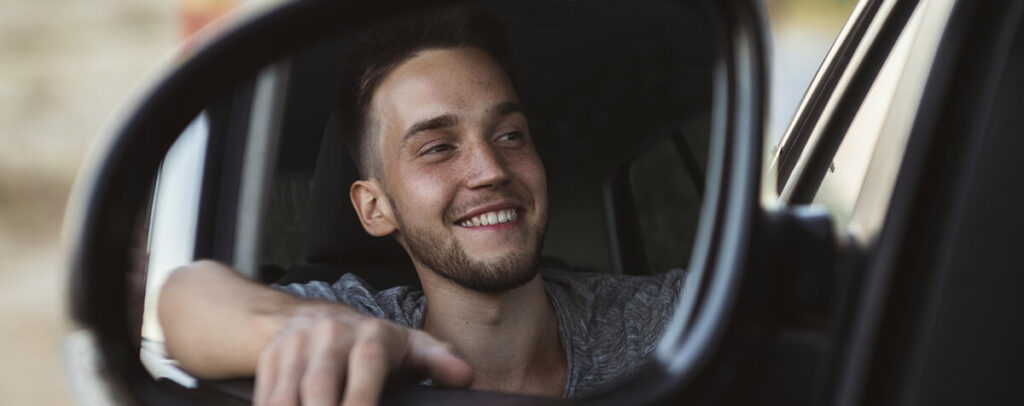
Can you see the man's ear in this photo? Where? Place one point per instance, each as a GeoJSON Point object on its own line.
{"type": "Point", "coordinates": [373, 207]}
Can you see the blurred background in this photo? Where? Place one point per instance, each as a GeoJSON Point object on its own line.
{"type": "Point", "coordinates": [65, 66]}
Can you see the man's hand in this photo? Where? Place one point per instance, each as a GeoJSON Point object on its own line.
{"type": "Point", "coordinates": [323, 355]}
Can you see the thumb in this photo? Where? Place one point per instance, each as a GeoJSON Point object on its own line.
{"type": "Point", "coordinates": [439, 361]}
{"type": "Point", "coordinates": [447, 369]}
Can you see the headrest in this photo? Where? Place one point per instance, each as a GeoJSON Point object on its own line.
{"type": "Point", "coordinates": [335, 234]}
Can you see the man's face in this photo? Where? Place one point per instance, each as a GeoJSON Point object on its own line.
{"type": "Point", "coordinates": [467, 188]}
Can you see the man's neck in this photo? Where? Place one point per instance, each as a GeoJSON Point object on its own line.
{"type": "Point", "coordinates": [510, 339]}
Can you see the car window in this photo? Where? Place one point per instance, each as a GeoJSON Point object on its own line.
{"type": "Point", "coordinates": [860, 181]}
{"type": "Point", "coordinates": [667, 184]}
{"type": "Point", "coordinates": [174, 210]}
{"type": "Point", "coordinates": [848, 171]}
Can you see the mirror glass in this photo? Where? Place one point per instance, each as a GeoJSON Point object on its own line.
{"type": "Point", "coordinates": [618, 100]}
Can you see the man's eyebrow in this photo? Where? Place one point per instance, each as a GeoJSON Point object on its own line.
{"type": "Point", "coordinates": [505, 108]}
{"type": "Point", "coordinates": [447, 120]}
{"type": "Point", "coordinates": [442, 121]}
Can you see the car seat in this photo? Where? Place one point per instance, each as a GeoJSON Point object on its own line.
{"type": "Point", "coordinates": [337, 242]}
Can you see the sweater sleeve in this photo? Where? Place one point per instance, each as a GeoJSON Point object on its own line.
{"type": "Point", "coordinates": [402, 304]}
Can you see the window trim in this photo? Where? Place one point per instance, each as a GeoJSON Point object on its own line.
{"type": "Point", "coordinates": [826, 131]}
{"type": "Point", "coordinates": [821, 89]}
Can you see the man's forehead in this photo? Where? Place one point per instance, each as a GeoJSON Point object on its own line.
{"type": "Point", "coordinates": [445, 75]}
{"type": "Point", "coordinates": [448, 82]}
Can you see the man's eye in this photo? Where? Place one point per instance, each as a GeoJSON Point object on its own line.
{"type": "Point", "coordinates": [512, 136]}
{"type": "Point", "coordinates": [438, 149]}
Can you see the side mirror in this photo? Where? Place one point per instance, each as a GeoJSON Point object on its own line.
{"type": "Point", "coordinates": [704, 77]}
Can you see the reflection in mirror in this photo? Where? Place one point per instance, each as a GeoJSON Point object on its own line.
{"type": "Point", "coordinates": [618, 102]}
{"type": "Point", "coordinates": [172, 228]}
{"type": "Point", "coordinates": [196, 204]}
{"type": "Point", "coordinates": [172, 240]}
{"type": "Point", "coordinates": [609, 90]}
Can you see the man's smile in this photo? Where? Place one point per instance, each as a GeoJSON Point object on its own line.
{"type": "Point", "coordinates": [501, 214]}
{"type": "Point", "coordinates": [492, 218]}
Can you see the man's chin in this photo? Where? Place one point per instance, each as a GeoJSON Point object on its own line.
{"type": "Point", "coordinates": [494, 276]}
{"type": "Point", "coordinates": [452, 261]}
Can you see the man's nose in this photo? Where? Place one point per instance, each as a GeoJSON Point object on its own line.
{"type": "Point", "coordinates": [486, 167]}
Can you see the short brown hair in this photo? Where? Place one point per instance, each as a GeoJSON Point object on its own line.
{"type": "Point", "coordinates": [385, 46]}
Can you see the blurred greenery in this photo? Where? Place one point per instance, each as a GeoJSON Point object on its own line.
{"type": "Point", "coordinates": [825, 14]}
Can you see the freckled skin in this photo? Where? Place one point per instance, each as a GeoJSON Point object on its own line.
{"type": "Point", "coordinates": [440, 175]}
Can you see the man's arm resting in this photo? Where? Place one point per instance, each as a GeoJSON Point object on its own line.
{"type": "Point", "coordinates": [218, 324]}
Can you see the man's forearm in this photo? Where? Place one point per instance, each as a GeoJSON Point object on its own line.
{"type": "Point", "coordinates": [216, 322]}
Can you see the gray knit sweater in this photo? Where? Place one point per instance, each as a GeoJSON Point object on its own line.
{"type": "Point", "coordinates": [608, 324]}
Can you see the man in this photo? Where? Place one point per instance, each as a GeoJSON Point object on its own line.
{"type": "Point", "coordinates": [450, 171]}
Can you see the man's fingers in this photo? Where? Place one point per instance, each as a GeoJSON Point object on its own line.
{"type": "Point", "coordinates": [310, 365]}
{"type": "Point", "coordinates": [292, 363]}
{"type": "Point", "coordinates": [447, 369]}
{"type": "Point", "coordinates": [438, 361]}
{"type": "Point", "coordinates": [368, 366]}
{"type": "Point", "coordinates": [321, 384]}
{"type": "Point", "coordinates": [266, 374]}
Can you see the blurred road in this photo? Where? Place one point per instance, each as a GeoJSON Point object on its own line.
{"type": "Point", "coordinates": [64, 66]}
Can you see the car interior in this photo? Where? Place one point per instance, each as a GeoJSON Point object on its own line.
{"type": "Point", "coordinates": [618, 98]}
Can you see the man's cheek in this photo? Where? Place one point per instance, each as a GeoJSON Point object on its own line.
{"type": "Point", "coordinates": [428, 199]}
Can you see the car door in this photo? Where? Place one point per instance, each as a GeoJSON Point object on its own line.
{"type": "Point", "coordinates": [899, 141]}
{"type": "Point", "coordinates": [883, 272]}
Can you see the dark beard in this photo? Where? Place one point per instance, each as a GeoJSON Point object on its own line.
{"type": "Point", "coordinates": [451, 262]}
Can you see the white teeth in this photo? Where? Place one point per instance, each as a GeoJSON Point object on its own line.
{"type": "Point", "coordinates": [491, 218]}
